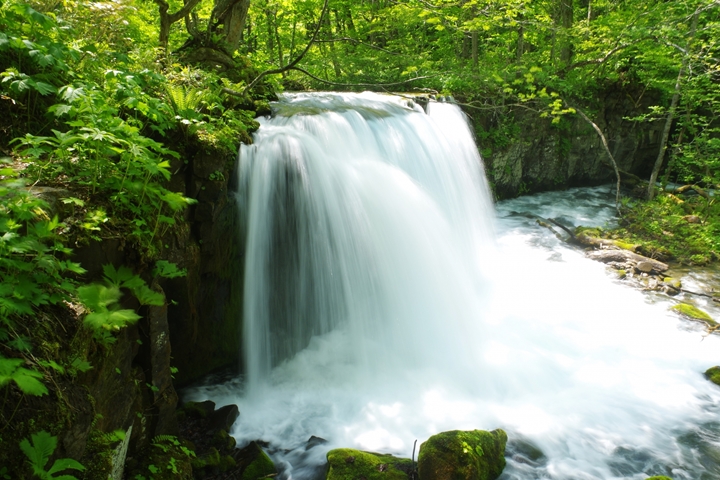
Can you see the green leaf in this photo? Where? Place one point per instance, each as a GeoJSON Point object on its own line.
{"type": "Point", "coordinates": [147, 296]}
{"type": "Point", "coordinates": [65, 464]}
{"type": "Point", "coordinates": [118, 276]}
{"type": "Point", "coordinates": [44, 88]}
{"type": "Point", "coordinates": [28, 382]}
{"type": "Point", "coordinates": [81, 365]}
{"type": "Point", "coordinates": [39, 451]}
{"type": "Point", "coordinates": [166, 269]}
{"type": "Point", "coordinates": [98, 297]}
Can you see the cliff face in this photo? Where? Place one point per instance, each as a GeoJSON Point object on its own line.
{"type": "Point", "coordinates": [128, 385]}
{"type": "Point", "coordinates": [538, 156]}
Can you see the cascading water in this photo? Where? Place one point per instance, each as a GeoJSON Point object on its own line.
{"type": "Point", "coordinates": [382, 307]}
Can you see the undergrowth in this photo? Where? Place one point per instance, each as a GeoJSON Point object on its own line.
{"type": "Point", "coordinates": [685, 230]}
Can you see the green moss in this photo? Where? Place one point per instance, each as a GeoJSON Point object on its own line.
{"type": "Point", "coordinates": [463, 455]}
{"type": "Point", "coordinates": [260, 467]}
{"type": "Point", "coordinates": [673, 282]}
{"type": "Point", "coordinates": [659, 477]}
{"type": "Point", "coordinates": [223, 440]}
{"type": "Point", "coordinates": [713, 374]}
{"type": "Point", "coordinates": [661, 230]}
{"type": "Point", "coordinates": [348, 464]}
{"type": "Point", "coordinates": [693, 312]}
{"type": "Point", "coordinates": [625, 245]}
{"type": "Point", "coordinates": [622, 273]}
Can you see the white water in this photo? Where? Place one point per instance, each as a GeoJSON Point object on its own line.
{"type": "Point", "coordinates": [384, 302]}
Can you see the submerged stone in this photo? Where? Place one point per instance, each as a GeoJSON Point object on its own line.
{"type": "Point", "coordinates": [693, 312]}
{"type": "Point", "coordinates": [463, 455]}
{"type": "Point", "coordinates": [348, 464]}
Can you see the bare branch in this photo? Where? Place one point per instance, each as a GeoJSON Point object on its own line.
{"type": "Point", "coordinates": [607, 150]}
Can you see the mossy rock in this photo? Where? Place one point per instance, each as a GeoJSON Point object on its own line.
{"type": "Point", "coordinates": [199, 409]}
{"type": "Point", "coordinates": [463, 455]}
{"type": "Point", "coordinates": [673, 282]}
{"type": "Point", "coordinates": [693, 312]}
{"type": "Point", "coordinates": [659, 477]}
{"type": "Point", "coordinates": [713, 374]}
{"type": "Point", "coordinates": [348, 464]}
{"type": "Point", "coordinates": [255, 463]}
{"type": "Point", "coordinates": [162, 462]}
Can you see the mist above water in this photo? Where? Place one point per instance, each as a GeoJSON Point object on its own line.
{"type": "Point", "coordinates": [386, 300]}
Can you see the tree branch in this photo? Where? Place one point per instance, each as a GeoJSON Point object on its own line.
{"type": "Point", "coordinates": [297, 59]}
{"type": "Point", "coordinates": [235, 93]}
{"type": "Point", "coordinates": [607, 150]}
{"type": "Point", "coordinates": [357, 42]}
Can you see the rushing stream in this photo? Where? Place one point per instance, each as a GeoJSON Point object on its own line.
{"type": "Point", "coordinates": [386, 299]}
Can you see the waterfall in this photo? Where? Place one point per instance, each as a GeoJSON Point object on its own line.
{"type": "Point", "coordinates": [387, 300]}
{"type": "Point", "coordinates": [364, 213]}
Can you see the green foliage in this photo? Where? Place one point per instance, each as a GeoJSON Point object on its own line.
{"type": "Point", "coordinates": [38, 452]}
{"type": "Point", "coordinates": [671, 228]}
{"type": "Point", "coordinates": [166, 269]}
{"type": "Point", "coordinates": [27, 380]}
{"type": "Point", "coordinates": [102, 300]}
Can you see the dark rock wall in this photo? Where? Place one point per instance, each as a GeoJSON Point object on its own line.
{"type": "Point", "coordinates": [540, 156]}
{"type": "Point", "coordinates": [205, 310]}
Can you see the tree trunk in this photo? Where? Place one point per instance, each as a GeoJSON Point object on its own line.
{"type": "Point", "coordinates": [521, 39]}
{"type": "Point", "coordinates": [565, 21]}
{"type": "Point", "coordinates": [475, 48]}
{"type": "Point", "coordinates": [673, 107]}
{"type": "Point", "coordinates": [234, 23]}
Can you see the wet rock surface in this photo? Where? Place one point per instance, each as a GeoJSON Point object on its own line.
{"type": "Point", "coordinates": [463, 455]}
{"type": "Point", "coordinates": [216, 454]}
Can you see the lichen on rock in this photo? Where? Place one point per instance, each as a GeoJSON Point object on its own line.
{"type": "Point", "coordinates": [463, 455]}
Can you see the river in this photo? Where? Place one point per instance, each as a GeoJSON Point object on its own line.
{"type": "Point", "coordinates": [387, 299]}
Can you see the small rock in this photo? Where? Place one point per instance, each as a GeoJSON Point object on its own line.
{"type": "Point", "coordinates": [645, 267]}
{"type": "Point", "coordinates": [255, 463]}
{"type": "Point", "coordinates": [693, 312]}
{"type": "Point", "coordinates": [223, 418]}
{"type": "Point", "coordinates": [713, 374]}
{"type": "Point", "coordinates": [692, 219]}
{"type": "Point", "coordinates": [314, 442]}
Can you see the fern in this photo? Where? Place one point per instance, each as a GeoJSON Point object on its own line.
{"type": "Point", "coordinates": [185, 102]}
{"type": "Point", "coordinates": [39, 450]}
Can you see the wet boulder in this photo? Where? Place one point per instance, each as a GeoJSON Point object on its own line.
{"type": "Point", "coordinates": [713, 374]}
{"type": "Point", "coordinates": [463, 455]}
{"type": "Point", "coordinates": [348, 464]}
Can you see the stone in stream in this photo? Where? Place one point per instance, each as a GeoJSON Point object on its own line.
{"type": "Point", "coordinates": [223, 418]}
{"type": "Point", "coordinates": [348, 464]}
{"type": "Point", "coordinates": [713, 374]}
{"type": "Point", "coordinates": [463, 455]}
{"type": "Point", "coordinates": [693, 313]}
{"type": "Point", "coordinates": [645, 267]}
